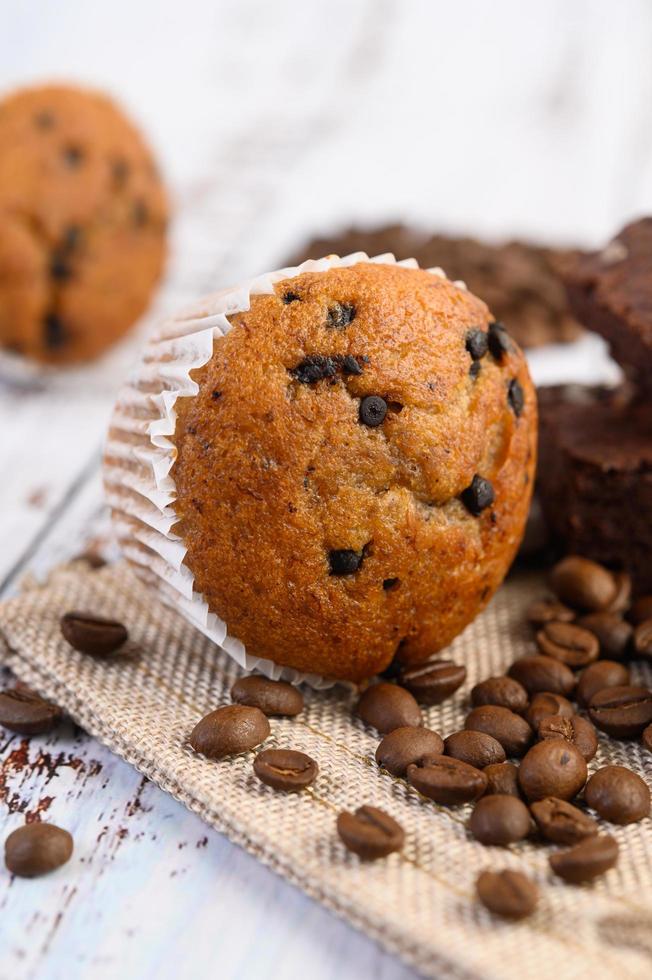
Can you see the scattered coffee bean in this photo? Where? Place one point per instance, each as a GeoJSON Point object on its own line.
{"type": "Point", "coordinates": [604, 673]}
{"type": "Point", "coordinates": [36, 849]}
{"type": "Point", "coordinates": [544, 704]}
{"type": "Point", "coordinates": [500, 820]}
{"type": "Point", "coordinates": [388, 706]}
{"type": "Point", "coordinates": [476, 343]}
{"type": "Point", "coordinates": [515, 397]}
{"type": "Point", "coordinates": [641, 609]}
{"type": "Point", "coordinates": [561, 822]}
{"type": "Point", "coordinates": [502, 691]}
{"type": "Point", "coordinates": [478, 496]}
{"type": "Point", "coordinates": [538, 673]}
{"type": "Point", "coordinates": [313, 368]}
{"type": "Point", "coordinates": [622, 712]}
{"type": "Point", "coordinates": [272, 697]}
{"type": "Point", "coordinates": [373, 410]}
{"type": "Point", "coordinates": [553, 767]}
{"type": "Point", "coordinates": [284, 769]}
{"type": "Point", "coordinates": [643, 640]}
{"type": "Point", "coordinates": [229, 730]}
{"type": "Point", "coordinates": [623, 592]}
{"type": "Point", "coordinates": [502, 779]}
{"type": "Point", "coordinates": [583, 584]}
{"type": "Point", "coordinates": [576, 730]}
{"type": "Point", "coordinates": [406, 745]}
{"type": "Point", "coordinates": [25, 712]}
{"type": "Point", "coordinates": [433, 681]}
{"type": "Point", "coordinates": [447, 780]}
{"type": "Point", "coordinates": [574, 646]}
{"type": "Point", "coordinates": [548, 611]}
{"type": "Point", "coordinates": [370, 833]}
{"type": "Point", "coordinates": [646, 738]}
{"type": "Point", "coordinates": [499, 341]}
{"type": "Point", "coordinates": [612, 631]}
{"type": "Point", "coordinates": [344, 561]}
{"type": "Point", "coordinates": [618, 794]}
{"type": "Point", "coordinates": [476, 748]}
{"type": "Point", "coordinates": [93, 634]}
{"type": "Point", "coordinates": [587, 860]}
{"type": "Point", "coordinates": [509, 894]}
{"type": "Point", "coordinates": [340, 315]}
{"type": "Point", "coordinates": [508, 728]}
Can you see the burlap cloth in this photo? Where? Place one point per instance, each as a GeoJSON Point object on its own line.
{"type": "Point", "coordinates": [420, 903]}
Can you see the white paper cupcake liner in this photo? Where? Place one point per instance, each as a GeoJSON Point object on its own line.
{"type": "Point", "coordinates": [140, 451]}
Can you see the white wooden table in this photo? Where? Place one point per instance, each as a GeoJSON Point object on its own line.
{"type": "Point", "coordinates": [274, 120]}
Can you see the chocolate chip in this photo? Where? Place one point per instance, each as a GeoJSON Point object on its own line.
{"type": "Point", "coordinates": [72, 156]}
{"type": "Point", "coordinates": [216, 395]}
{"type": "Point", "coordinates": [44, 119]}
{"type": "Point", "coordinates": [406, 745]}
{"type": "Point", "coordinates": [390, 583]}
{"type": "Point", "coordinates": [476, 343]}
{"type": "Point", "coordinates": [36, 849]}
{"type": "Point", "coordinates": [25, 712]}
{"type": "Point", "coordinates": [515, 397]}
{"type": "Point", "coordinates": [388, 706]}
{"type": "Point", "coordinates": [60, 268]}
{"type": "Point", "coordinates": [140, 213]}
{"type": "Point", "coordinates": [120, 172]}
{"type": "Point", "coordinates": [479, 495]}
{"type": "Point", "coordinates": [373, 410]}
{"type": "Point", "coordinates": [71, 238]}
{"type": "Point", "coordinates": [92, 634]}
{"type": "Point", "coordinates": [54, 332]}
{"type": "Point", "coordinates": [345, 561]}
{"type": "Point", "coordinates": [315, 367]}
{"type": "Point", "coordinates": [350, 365]}
{"type": "Point", "coordinates": [272, 697]}
{"type": "Point", "coordinates": [340, 315]}
{"type": "Point", "coordinates": [509, 894]}
{"type": "Point", "coordinates": [561, 822]}
{"type": "Point", "coordinates": [499, 342]}
{"type": "Point", "coordinates": [618, 794]}
{"type": "Point", "coordinates": [284, 769]}
{"type": "Point", "coordinates": [370, 832]}
{"type": "Point", "coordinates": [587, 860]}
{"type": "Point", "coordinates": [290, 297]}
{"type": "Point", "coordinates": [475, 369]}
{"type": "Point", "coordinates": [229, 730]}
{"type": "Point", "coordinates": [500, 820]}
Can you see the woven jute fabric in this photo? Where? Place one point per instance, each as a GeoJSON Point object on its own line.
{"type": "Point", "coordinates": [419, 903]}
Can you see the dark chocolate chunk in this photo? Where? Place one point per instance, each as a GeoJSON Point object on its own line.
{"type": "Point", "coordinates": [389, 583]}
{"type": "Point", "coordinates": [340, 315]}
{"type": "Point", "coordinates": [315, 367]}
{"type": "Point", "coordinates": [350, 365]}
{"type": "Point", "coordinates": [475, 369]}
{"type": "Point", "coordinates": [60, 268]}
{"type": "Point", "coordinates": [477, 343]}
{"type": "Point", "coordinates": [515, 397]}
{"type": "Point", "coordinates": [54, 331]}
{"type": "Point", "coordinates": [290, 297]}
{"type": "Point", "coordinates": [478, 496]}
{"type": "Point", "coordinates": [373, 410]}
{"type": "Point", "coordinates": [499, 342]}
{"type": "Point", "coordinates": [344, 561]}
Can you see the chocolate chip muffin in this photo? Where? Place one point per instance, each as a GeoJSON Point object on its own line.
{"type": "Point", "coordinates": [82, 224]}
{"type": "Point", "coordinates": [353, 467]}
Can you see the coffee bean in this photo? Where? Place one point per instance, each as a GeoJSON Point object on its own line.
{"type": "Point", "coordinates": [515, 397]}
{"type": "Point", "coordinates": [313, 368]}
{"type": "Point", "coordinates": [604, 673]}
{"type": "Point", "coordinates": [340, 315]}
{"type": "Point", "coordinates": [643, 640]}
{"type": "Point", "coordinates": [618, 794]}
{"type": "Point", "coordinates": [576, 730]}
{"type": "Point", "coordinates": [373, 410]}
{"type": "Point", "coordinates": [583, 584]}
{"type": "Point", "coordinates": [476, 748]}
{"type": "Point", "coordinates": [499, 341]}
{"type": "Point", "coordinates": [388, 706]}
{"type": "Point", "coordinates": [447, 780]}
{"type": "Point", "coordinates": [538, 673]}
{"type": "Point", "coordinates": [272, 697]}
{"type": "Point", "coordinates": [646, 738]}
{"type": "Point", "coordinates": [623, 592]}
{"type": "Point", "coordinates": [406, 745]}
{"type": "Point", "coordinates": [476, 343]}
{"type": "Point", "coordinates": [561, 822]}
{"type": "Point", "coordinates": [284, 769]}
{"type": "Point", "coordinates": [587, 860]}
{"type": "Point", "coordinates": [478, 496]}
{"type": "Point", "coordinates": [502, 779]}
{"type": "Point", "coordinates": [622, 712]}
{"type": "Point", "coordinates": [548, 611]}
{"type": "Point", "coordinates": [502, 691]}
{"type": "Point", "coordinates": [640, 610]}
{"type": "Point", "coordinates": [93, 634]}
{"type": "Point", "coordinates": [370, 833]}
{"type": "Point", "coordinates": [433, 681]}
{"type": "Point", "coordinates": [553, 767]}
{"type": "Point", "coordinates": [36, 849]}
{"type": "Point", "coordinates": [612, 631]}
{"type": "Point", "coordinates": [229, 730]}
{"type": "Point", "coordinates": [500, 820]}
{"type": "Point", "coordinates": [24, 712]}
{"type": "Point", "coordinates": [544, 704]}
{"type": "Point", "coordinates": [508, 728]}
{"type": "Point", "coordinates": [574, 646]}
{"type": "Point", "coordinates": [344, 561]}
{"type": "Point", "coordinates": [509, 894]}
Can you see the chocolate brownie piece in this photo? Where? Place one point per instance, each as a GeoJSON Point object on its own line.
{"type": "Point", "coordinates": [611, 292]}
{"type": "Point", "coordinates": [518, 281]}
{"type": "Point", "coordinates": [595, 476]}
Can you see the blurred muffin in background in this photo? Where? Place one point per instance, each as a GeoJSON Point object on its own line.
{"type": "Point", "coordinates": [517, 281]}
{"type": "Point", "coordinates": [83, 217]}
